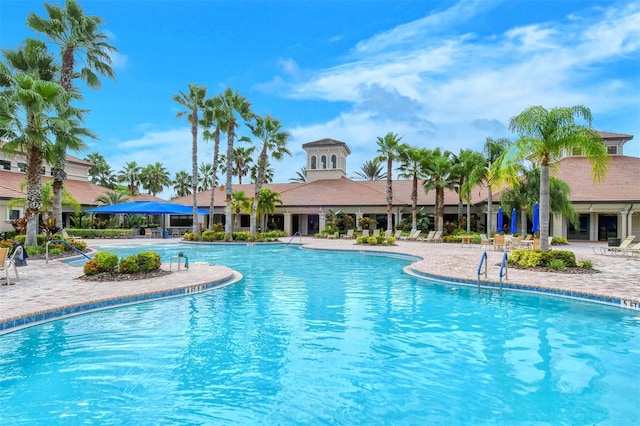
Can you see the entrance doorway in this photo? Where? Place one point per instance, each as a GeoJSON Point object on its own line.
{"type": "Point", "coordinates": [607, 226]}
{"type": "Point", "coordinates": [582, 232]}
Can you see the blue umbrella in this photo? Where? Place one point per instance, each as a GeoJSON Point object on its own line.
{"type": "Point", "coordinates": [146, 207]}
{"type": "Point", "coordinates": [500, 220]}
{"type": "Point", "coordinates": [514, 227]}
{"type": "Point", "coordinates": [536, 219]}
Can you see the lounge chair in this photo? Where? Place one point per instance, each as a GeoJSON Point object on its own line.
{"type": "Point", "coordinates": [437, 237]}
{"type": "Point", "coordinates": [348, 235]}
{"type": "Point", "coordinates": [415, 236]}
{"type": "Point", "coordinates": [485, 242]}
{"type": "Point", "coordinates": [365, 233]}
{"type": "Point", "coordinates": [408, 237]}
{"type": "Point", "coordinates": [376, 232]}
{"type": "Point", "coordinates": [7, 262]}
{"type": "Point", "coordinates": [429, 237]}
{"type": "Point", "coordinates": [148, 233]}
{"type": "Point", "coordinates": [633, 250]}
{"type": "Point", "coordinates": [620, 250]}
{"type": "Point", "coordinates": [397, 234]}
{"type": "Point", "coordinates": [387, 233]}
{"type": "Point", "coordinates": [499, 242]}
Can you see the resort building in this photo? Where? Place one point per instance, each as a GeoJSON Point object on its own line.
{"type": "Point", "coordinates": [609, 209]}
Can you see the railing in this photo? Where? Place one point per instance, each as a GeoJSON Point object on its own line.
{"type": "Point", "coordinates": [483, 261]}
{"type": "Point", "coordinates": [294, 235]}
{"type": "Point", "coordinates": [66, 244]}
{"type": "Point", "coordinates": [503, 267]}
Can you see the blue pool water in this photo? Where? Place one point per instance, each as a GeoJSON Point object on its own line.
{"type": "Point", "coordinates": [312, 337]}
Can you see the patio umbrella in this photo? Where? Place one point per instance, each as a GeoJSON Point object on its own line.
{"type": "Point", "coordinates": [514, 227]}
{"type": "Point", "coordinates": [500, 220]}
{"type": "Point", "coordinates": [536, 218]}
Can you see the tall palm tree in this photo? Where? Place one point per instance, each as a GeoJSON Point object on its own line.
{"type": "Point", "coordinates": [413, 161]}
{"type": "Point", "coordinates": [492, 150]}
{"type": "Point", "coordinates": [35, 111]}
{"type": "Point", "coordinates": [371, 170]}
{"type": "Point", "coordinates": [301, 176]}
{"type": "Point", "coordinates": [130, 174]}
{"type": "Point", "coordinates": [544, 135]}
{"type": "Point", "coordinates": [213, 117]}
{"type": "Point", "coordinates": [269, 132]}
{"type": "Point", "coordinates": [101, 173]}
{"type": "Point", "coordinates": [465, 164]}
{"type": "Point", "coordinates": [438, 178]}
{"type": "Point", "coordinates": [268, 173]}
{"type": "Point", "coordinates": [154, 178]}
{"type": "Point", "coordinates": [76, 34]}
{"type": "Point", "coordinates": [193, 102]}
{"type": "Point", "coordinates": [232, 106]}
{"type": "Point", "coordinates": [182, 183]}
{"type": "Point", "coordinates": [388, 148]}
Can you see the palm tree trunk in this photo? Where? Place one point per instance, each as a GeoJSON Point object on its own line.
{"type": "Point", "coordinates": [468, 218]}
{"type": "Point", "coordinates": [214, 172]}
{"type": "Point", "coordinates": [228, 225]}
{"type": "Point", "coordinates": [258, 187]}
{"type": "Point", "coordinates": [389, 193]}
{"type": "Point", "coordinates": [33, 201]}
{"type": "Point", "coordinates": [194, 170]}
{"type": "Point", "coordinates": [440, 208]}
{"type": "Point", "coordinates": [489, 214]}
{"type": "Point", "coordinates": [414, 202]}
{"type": "Point", "coordinates": [57, 199]}
{"type": "Point", "coordinates": [544, 206]}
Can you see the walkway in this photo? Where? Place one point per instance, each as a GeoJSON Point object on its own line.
{"type": "Point", "coordinates": [47, 291]}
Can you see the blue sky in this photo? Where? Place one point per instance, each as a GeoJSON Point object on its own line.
{"type": "Point", "coordinates": [440, 73]}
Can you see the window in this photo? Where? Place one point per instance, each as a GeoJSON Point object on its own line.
{"type": "Point", "coordinates": [576, 151]}
{"type": "Point", "coordinates": [612, 150]}
{"type": "Point", "coordinates": [313, 162]}
{"type": "Point", "coordinates": [5, 164]}
{"type": "Point", "coordinates": [22, 167]}
{"type": "Point", "coordinates": [334, 161]}
{"type": "Point", "coordinates": [323, 162]}
{"type": "Point", "coordinates": [15, 214]}
{"type": "Point", "coordinates": [245, 221]}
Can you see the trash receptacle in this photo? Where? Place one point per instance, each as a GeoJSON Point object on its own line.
{"type": "Point", "coordinates": [165, 233]}
{"type": "Point", "coordinates": [614, 242]}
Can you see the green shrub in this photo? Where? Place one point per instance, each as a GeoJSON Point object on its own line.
{"type": "Point", "coordinates": [56, 250]}
{"type": "Point", "coordinates": [34, 250]}
{"type": "Point", "coordinates": [107, 262]}
{"type": "Point", "coordinates": [79, 244]}
{"type": "Point", "coordinates": [585, 264]}
{"type": "Point", "coordinates": [391, 240]}
{"type": "Point", "coordinates": [20, 239]}
{"type": "Point", "coordinates": [567, 257]}
{"type": "Point", "coordinates": [129, 265]}
{"type": "Point", "coordinates": [372, 240]}
{"type": "Point", "coordinates": [559, 241]}
{"type": "Point", "coordinates": [100, 233]}
{"type": "Point", "coordinates": [148, 261]}
{"type": "Point", "coordinates": [525, 258]}
{"type": "Point", "coordinates": [242, 236]}
{"type": "Point", "coordinates": [208, 236]}
{"type": "Point", "coordinates": [557, 264]}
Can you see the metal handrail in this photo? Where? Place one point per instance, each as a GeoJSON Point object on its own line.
{"type": "Point", "coordinates": [294, 235]}
{"type": "Point", "coordinates": [483, 261]}
{"type": "Point", "coordinates": [65, 243]}
{"type": "Point", "coordinates": [503, 266]}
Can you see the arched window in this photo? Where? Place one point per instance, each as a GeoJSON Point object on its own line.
{"type": "Point", "coordinates": [323, 162]}
{"type": "Point", "coordinates": [334, 161]}
{"type": "Point", "coordinates": [313, 162]}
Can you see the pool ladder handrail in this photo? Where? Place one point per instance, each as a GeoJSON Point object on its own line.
{"type": "Point", "coordinates": [505, 268]}
{"type": "Point", "coordinates": [66, 244]}
{"type": "Point", "coordinates": [294, 235]}
{"type": "Point", "coordinates": [483, 261]}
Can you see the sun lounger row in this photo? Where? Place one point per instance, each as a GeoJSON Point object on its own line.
{"type": "Point", "coordinates": [626, 248]}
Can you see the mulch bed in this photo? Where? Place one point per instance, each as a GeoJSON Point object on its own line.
{"type": "Point", "coordinates": [568, 270]}
{"type": "Point", "coordinates": [111, 276]}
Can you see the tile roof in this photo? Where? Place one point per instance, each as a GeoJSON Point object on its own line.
{"type": "Point", "coordinates": [326, 142]}
{"type": "Point", "coordinates": [144, 197]}
{"type": "Point", "coordinates": [84, 192]}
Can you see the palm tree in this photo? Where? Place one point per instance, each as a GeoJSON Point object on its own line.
{"type": "Point", "coordinates": [465, 165]}
{"type": "Point", "coordinates": [412, 163]}
{"type": "Point", "coordinates": [267, 205]}
{"type": "Point", "coordinates": [388, 148]}
{"type": "Point", "coordinates": [205, 172]}
{"type": "Point", "coordinates": [371, 170]}
{"type": "Point", "coordinates": [101, 173]}
{"type": "Point", "coordinates": [182, 183]}
{"type": "Point", "coordinates": [75, 34]}
{"type": "Point", "coordinates": [130, 174]}
{"type": "Point", "coordinates": [34, 112]}
{"type": "Point", "coordinates": [212, 117]}
{"type": "Point", "coordinates": [268, 173]}
{"type": "Point", "coordinates": [154, 178]}
{"type": "Point", "coordinates": [492, 150]}
{"type": "Point", "coordinates": [301, 176]}
{"type": "Point", "coordinates": [240, 203]}
{"type": "Point", "coordinates": [231, 104]}
{"type": "Point", "coordinates": [112, 197]}
{"type": "Point", "coordinates": [544, 135]}
{"type": "Point", "coordinates": [193, 102]}
{"type": "Point", "coordinates": [274, 141]}
{"type": "Point", "coordinates": [242, 161]}
{"type": "Point", "coordinates": [438, 178]}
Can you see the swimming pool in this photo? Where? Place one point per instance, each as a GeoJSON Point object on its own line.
{"type": "Point", "coordinates": [314, 337]}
